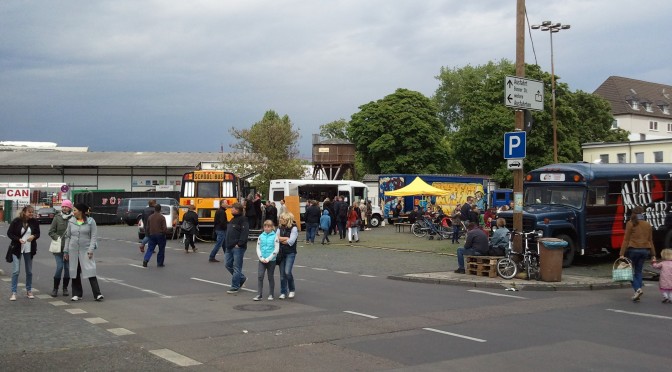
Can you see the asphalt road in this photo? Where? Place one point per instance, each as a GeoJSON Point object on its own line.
{"type": "Point", "coordinates": [346, 316]}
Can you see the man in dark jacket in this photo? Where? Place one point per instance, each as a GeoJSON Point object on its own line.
{"type": "Point", "coordinates": [341, 212]}
{"type": "Point", "coordinates": [250, 212]}
{"type": "Point", "coordinates": [220, 229]}
{"type": "Point", "coordinates": [148, 211]}
{"type": "Point", "coordinates": [237, 232]}
{"type": "Point", "coordinates": [477, 244]}
{"type": "Point", "coordinates": [272, 212]}
{"type": "Point", "coordinates": [156, 229]}
{"type": "Point", "coordinates": [465, 210]}
{"type": "Point", "coordinates": [257, 211]}
{"type": "Point", "coordinates": [312, 217]}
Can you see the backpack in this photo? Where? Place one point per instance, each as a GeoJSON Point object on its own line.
{"type": "Point", "coordinates": [343, 211]}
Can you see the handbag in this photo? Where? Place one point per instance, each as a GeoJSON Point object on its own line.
{"type": "Point", "coordinates": [55, 245]}
{"type": "Point", "coordinates": [622, 270]}
{"type": "Point", "coordinates": [8, 256]}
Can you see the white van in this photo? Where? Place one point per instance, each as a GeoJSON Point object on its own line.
{"type": "Point", "coordinates": [170, 213]}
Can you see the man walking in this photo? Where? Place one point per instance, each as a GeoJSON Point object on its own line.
{"type": "Point", "coordinates": [156, 229]}
{"type": "Point", "coordinates": [312, 216]}
{"type": "Point", "coordinates": [148, 211]}
{"type": "Point", "coordinates": [237, 232]}
{"type": "Point", "coordinates": [220, 230]}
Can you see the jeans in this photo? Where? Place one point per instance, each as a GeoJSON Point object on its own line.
{"type": "Point", "coordinates": [461, 252]}
{"type": "Point", "coordinates": [219, 243]}
{"type": "Point", "coordinates": [325, 237]}
{"type": "Point", "coordinates": [311, 229]}
{"type": "Point", "coordinates": [233, 261]}
{"type": "Point", "coordinates": [145, 240]}
{"type": "Point", "coordinates": [262, 268]}
{"type": "Point", "coordinates": [16, 270]}
{"type": "Point", "coordinates": [456, 233]}
{"type": "Point", "coordinates": [286, 276]}
{"type": "Point", "coordinates": [189, 241]}
{"type": "Point", "coordinates": [637, 256]}
{"type": "Point", "coordinates": [62, 267]}
{"type": "Point", "coordinates": [341, 228]}
{"type": "Point", "coordinates": [155, 239]}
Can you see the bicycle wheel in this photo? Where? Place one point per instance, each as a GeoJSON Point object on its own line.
{"type": "Point", "coordinates": [507, 268]}
{"type": "Point", "coordinates": [418, 230]}
{"type": "Point", "coordinates": [533, 269]}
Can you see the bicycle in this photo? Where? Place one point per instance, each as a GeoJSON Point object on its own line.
{"type": "Point", "coordinates": [514, 262]}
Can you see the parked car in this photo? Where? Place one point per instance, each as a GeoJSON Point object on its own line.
{"type": "Point", "coordinates": [170, 213]}
{"type": "Point", "coordinates": [130, 209]}
{"type": "Point", "coordinates": [45, 215]}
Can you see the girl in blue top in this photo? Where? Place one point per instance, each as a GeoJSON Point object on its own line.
{"type": "Point", "coordinates": [268, 246]}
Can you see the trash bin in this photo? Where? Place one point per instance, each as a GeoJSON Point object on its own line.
{"type": "Point", "coordinates": [550, 259]}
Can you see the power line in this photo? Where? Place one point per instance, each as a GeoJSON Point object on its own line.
{"type": "Point", "coordinates": [529, 30]}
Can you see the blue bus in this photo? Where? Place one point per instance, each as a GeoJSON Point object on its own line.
{"type": "Point", "coordinates": [588, 205]}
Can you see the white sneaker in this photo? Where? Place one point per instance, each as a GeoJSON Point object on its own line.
{"type": "Point", "coordinates": [99, 297]}
{"type": "Point", "coordinates": [13, 298]}
{"type": "Point", "coordinates": [270, 298]}
{"type": "Point", "coordinates": [75, 298]}
{"type": "Point", "coordinates": [282, 296]}
{"type": "Point", "coordinates": [257, 298]}
{"type": "Point", "coordinates": [637, 295]}
{"type": "Point", "coordinates": [291, 295]}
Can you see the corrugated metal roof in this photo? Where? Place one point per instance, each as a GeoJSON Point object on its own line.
{"type": "Point", "coordinates": [106, 159]}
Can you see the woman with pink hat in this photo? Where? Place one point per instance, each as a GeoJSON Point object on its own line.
{"type": "Point", "coordinates": [58, 227]}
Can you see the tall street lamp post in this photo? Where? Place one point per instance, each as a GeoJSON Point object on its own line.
{"type": "Point", "coordinates": [552, 28]}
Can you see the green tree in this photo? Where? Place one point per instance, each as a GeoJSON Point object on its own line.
{"type": "Point", "coordinates": [400, 134]}
{"type": "Point", "coordinates": [267, 149]}
{"type": "Point", "coordinates": [335, 130]}
{"type": "Point", "coordinates": [471, 106]}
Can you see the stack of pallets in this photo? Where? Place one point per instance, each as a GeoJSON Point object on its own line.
{"type": "Point", "coordinates": [482, 265]}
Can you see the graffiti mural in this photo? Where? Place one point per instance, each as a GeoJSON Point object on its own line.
{"type": "Point", "coordinates": [390, 184]}
{"type": "Point", "coordinates": [648, 192]}
{"type": "Point", "coordinates": [458, 193]}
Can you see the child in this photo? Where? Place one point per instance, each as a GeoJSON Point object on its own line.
{"type": "Point", "coordinates": [325, 223]}
{"type": "Point", "coordinates": [665, 281]}
{"type": "Point", "coordinates": [268, 246]}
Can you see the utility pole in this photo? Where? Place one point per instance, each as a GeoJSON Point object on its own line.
{"type": "Point", "coordinates": [520, 118]}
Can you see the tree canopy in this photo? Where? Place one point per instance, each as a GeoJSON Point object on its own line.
{"type": "Point", "coordinates": [268, 149]}
{"type": "Point", "coordinates": [336, 129]}
{"type": "Point", "coordinates": [400, 133]}
{"type": "Point", "coordinates": [470, 103]}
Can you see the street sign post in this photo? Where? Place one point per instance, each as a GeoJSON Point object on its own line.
{"type": "Point", "coordinates": [524, 93]}
{"type": "Point", "coordinates": [512, 164]}
{"type": "Point", "coordinates": [515, 145]}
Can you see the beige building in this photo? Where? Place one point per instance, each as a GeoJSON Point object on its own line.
{"type": "Point", "coordinates": [648, 151]}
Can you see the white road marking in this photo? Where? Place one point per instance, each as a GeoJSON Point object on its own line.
{"type": "Point", "coordinates": [368, 276]}
{"type": "Point", "coordinates": [294, 266]}
{"type": "Point", "coordinates": [342, 272]}
{"type": "Point", "coordinates": [641, 314]}
{"type": "Point", "coordinates": [134, 265]}
{"type": "Point", "coordinates": [361, 314]}
{"type": "Point", "coordinates": [496, 294]}
{"type": "Point", "coordinates": [318, 269]}
{"type": "Point", "coordinates": [174, 357]}
{"type": "Point", "coordinates": [222, 284]}
{"type": "Point", "coordinates": [454, 334]}
{"type": "Point", "coordinates": [95, 320]}
{"type": "Point", "coordinates": [121, 282]}
{"type": "Point", "coordinates": [6, 279]}
{"type": "Point", "coordinates": [76, 311]}
{"type": "Point", "coordinates": [121, 331]}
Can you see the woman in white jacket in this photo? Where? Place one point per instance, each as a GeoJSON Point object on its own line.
{"type": "Point", "coordinates": [81, 239]}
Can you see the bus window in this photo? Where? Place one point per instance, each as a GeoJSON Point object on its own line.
{"type": "Point", "coordinates": [208, 190]}
{"type": "Point", "coordinates": [345, 195]}
{"type": "Point", "coordinates": [278, 195]}
{"type": "Point", "coordinates": [572, 197]}
{"type": "Point", "coordinates": [360, 193]}
{"type": "Point", "coordinates": [597, 196]}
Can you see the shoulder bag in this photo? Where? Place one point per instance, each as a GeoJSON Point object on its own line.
{"type": "Point", "coordinates": [55, 245]}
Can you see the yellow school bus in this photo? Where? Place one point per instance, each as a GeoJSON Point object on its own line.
{"type": "Point", "coordinates": [204, 189]}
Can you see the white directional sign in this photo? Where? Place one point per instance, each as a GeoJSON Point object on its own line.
{"type": "Point", "coordinates": [524, 93]}
{"type": "Point", "coordinates": [514, 164]}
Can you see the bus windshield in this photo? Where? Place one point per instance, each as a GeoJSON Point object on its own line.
{"type": "Point", "coordinates": [569, 196]}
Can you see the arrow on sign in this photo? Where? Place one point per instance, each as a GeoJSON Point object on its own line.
{"type": "Point", "coordinates": [509, 98]}
{"type": "Point", "coordinates": [509, 83]}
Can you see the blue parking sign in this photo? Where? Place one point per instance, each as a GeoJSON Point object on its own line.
{"type": "Point", "coordinates": [515, 145]}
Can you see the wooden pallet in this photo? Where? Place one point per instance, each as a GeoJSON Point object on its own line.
{"type": "Point", "coordinates": [482, 265]}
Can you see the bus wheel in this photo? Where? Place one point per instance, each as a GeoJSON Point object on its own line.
{"type": "Point", "coordinates": [375, 221]}
{"type": "Point", "coordinates": [568, 254]}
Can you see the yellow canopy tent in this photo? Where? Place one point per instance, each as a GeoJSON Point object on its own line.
{"type": "Point", "coordinates": [417, 187]}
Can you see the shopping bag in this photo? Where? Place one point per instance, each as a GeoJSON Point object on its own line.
{"type": "Point", "coordinates": [622, 270]}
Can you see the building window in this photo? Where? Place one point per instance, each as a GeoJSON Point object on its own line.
{"type": "Point", "coordinates": [620, 158]}
{"type": "Point", "coordinates": [648, 107]}
{"type": "Point", "coordinates": [604, 159]}
{"type": "Point", "coordinates": [639, 157]}
{"type": "Point", "coordinates": [669, 127]}
{"type": "Point", "coordinates": [653, 125]}
{"type": "Point", "coordinates": [614, 124]}
{"type": "Point", "coordinates": [634, 104]}
{"type": "Point", "coordinates": [658, 156]}
{"type": "Point", "coordinates": [665, 108]}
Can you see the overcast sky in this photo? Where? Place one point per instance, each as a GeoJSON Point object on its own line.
{"type": "Point", "coordinates": [175, 75]}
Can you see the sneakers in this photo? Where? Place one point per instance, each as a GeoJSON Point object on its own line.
{"type": "Point", "coordinates": [213, 260]}
{"type": "Point", "coordinates": [291, 295]}
{"type": "Point", "coordinates": [194, 249]}
{"type": "Point", "coordinates": [459, 271]}
{"type": "Point", "coordinates": [282, 296]}
{"type": "Point", "coordinates": [638, 294]}
{"type": "Point", "coordinates": [99, 297]}
{"type": "Point", "coordinates": [75, 298]}
{"type": "Point", "coordinates": [666, 301]}
{"type": "Point", "coordinates": [54, 293]}
{"type": "Point", "coordinates": [233, 290]}
{"type": "Point", "coordinates": [13, 298]}
{"type": "Point", "coordinates": [257, 298]}
{"type": "Point", "coordinates": [30, 295]}
{"type": "Point", "coordinates": [242, 282]}
{"type": "Point", "coordinates": [270, 297]}
{"type": "Point", "coordinates": [65, 292]}
{"type": "Point", "coordinates": [144, 263]}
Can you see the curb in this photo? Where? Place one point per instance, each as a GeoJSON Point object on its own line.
{"type": "Point", "coordinates": [521, 285]}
